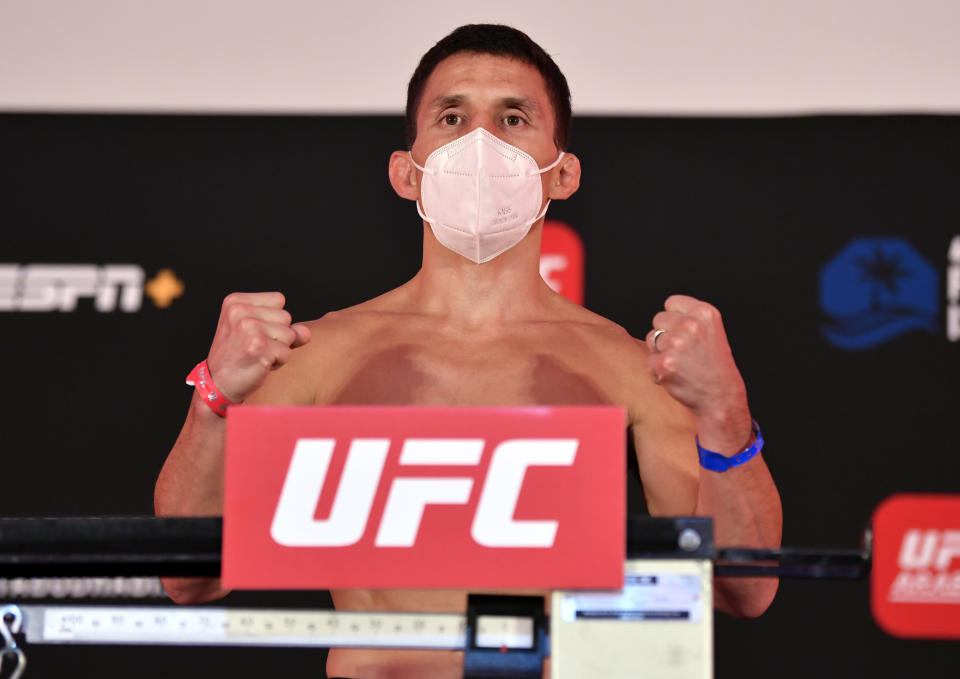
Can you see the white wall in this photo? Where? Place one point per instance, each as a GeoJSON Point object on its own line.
{"type": "Point", "coordinates": [628, 57]}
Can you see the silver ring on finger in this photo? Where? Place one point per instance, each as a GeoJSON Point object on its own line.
{"type": "Point", "coordinates": [656, 336]}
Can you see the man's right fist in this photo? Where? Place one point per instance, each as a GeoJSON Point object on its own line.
{"type": "Point", "coordinates": [254, 336]}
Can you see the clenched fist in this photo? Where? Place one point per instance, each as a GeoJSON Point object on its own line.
{"type": "Point", "coordinates": [254, 336]}
{"type": "Point", "coordinates": [692, 360]}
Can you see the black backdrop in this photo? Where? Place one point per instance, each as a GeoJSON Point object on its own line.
{"type": "Point", "coordinates": [744, 213]}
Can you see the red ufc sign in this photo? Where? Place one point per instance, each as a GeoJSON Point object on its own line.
{"type": "Point", "coordinates": [561, 260]}
{"type": "Point", "coordinates": [402, 497]}
{"type": "Point", "coordinates": [915, 579]}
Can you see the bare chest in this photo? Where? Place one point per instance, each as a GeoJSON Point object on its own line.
{"type": "Point", "coordinates": [491, 374]}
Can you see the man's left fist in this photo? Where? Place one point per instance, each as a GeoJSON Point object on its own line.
{"type": "Point", "coordinates": [691, 358]}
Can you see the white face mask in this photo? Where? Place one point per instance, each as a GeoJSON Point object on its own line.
{"type": "Point", "coordinates": [481, 195]}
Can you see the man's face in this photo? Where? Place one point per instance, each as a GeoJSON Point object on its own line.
{"type": "Point", "coordinates": [506, 97]}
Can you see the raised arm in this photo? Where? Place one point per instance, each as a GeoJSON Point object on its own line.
{"type": "Point", "coordinates": [254, 337]}
{"type": "Point", "coordinates": [692, 361]}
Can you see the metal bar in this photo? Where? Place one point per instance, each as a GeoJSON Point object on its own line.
{"type": "Point", "coordinates": [836, 564]}
{"type": "Point", "coordinates": [818, 572]}
{"type": "Point", "coordinates": [792, 555]}
{"type": "Point", "coordinates": [140, 546]}
{"type": "Point", "coordinates": [110, 546]}
{"type": "Point", "coordinates": [669, 537]}
{"type": "Point", "coordinates": [136, 546]}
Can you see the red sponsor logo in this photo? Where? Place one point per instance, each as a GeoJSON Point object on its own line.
{"type": "Point", "coordinates": [424, 497]}
{"type": "Point", "coordinates": [915, 583]}
{"type": "Point", "coordinates": [561, 260]}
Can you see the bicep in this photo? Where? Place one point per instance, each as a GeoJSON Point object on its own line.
{"type": "Point", "coordinates": [667, 458]}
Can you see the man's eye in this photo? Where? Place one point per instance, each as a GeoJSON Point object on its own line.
{"type": "Point", "coordinates": [513, 121]}
{"type": "Point", "coordinates": [451, 119]}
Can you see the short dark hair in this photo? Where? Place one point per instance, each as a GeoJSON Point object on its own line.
{"type": "Point", "coordinates": [497, 40]}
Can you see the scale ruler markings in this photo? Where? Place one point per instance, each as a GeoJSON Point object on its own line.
{"type": "Point", "coordinates": [262, 627]}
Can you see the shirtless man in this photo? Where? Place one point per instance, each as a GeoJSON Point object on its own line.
{"type": "Point", "coordinates": [489, 334]}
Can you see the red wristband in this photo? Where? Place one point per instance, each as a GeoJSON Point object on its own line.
{"type": "Point", "coordinates": [200, 378]}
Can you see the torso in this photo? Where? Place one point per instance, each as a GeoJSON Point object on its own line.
{"type": "Point", "coordinates": [375, 354]}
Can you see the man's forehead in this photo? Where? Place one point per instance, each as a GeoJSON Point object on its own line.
{"type": "Point", "coordinates": [470, 76]}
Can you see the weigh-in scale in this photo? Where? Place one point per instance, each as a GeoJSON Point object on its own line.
{"type": "Point", "coordinates": [659, 624]}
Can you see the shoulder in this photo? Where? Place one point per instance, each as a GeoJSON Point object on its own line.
{"type": "Point", "coordinates": [611, 342]}
{"type": "Point", "coordinates": [343, 326]}
{"type": "Point", "coordinates": [346, 326]}
{"type": "Point", "coordinates": [339, 334]}
{"type": "Point", "coordinates": [625, 356]}
{"type": "Point", "coordinates": [336, 339]}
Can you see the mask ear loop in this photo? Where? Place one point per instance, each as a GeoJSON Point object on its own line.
{"type": "Point", "coordinates": [425, 171]}
{"type": "Point", "coordinates": [542, 169]}
{"type": "Point", "coordinates": [422, 169]}
{"type": "Point", "coordinates": [429, 220]}
{"type": "Point", "coordinates": [549, 167]}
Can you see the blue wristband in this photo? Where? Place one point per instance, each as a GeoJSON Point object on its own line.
{"type": "Point", "coordinates": [716, 462]}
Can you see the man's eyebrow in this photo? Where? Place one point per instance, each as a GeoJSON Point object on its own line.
{"type": "Point", "coordinates": [521, 103]}
{"type": "Point", "coordinates": [447, 101]}
{"type": "Point", "coordinates": [453, 100]}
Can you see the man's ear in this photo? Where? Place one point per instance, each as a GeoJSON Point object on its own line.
{"type": "Point", "coordinates": [404, 176]}
{"type": "Point", "coordinates": [566, 179]}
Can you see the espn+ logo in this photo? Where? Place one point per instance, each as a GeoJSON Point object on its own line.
{"type": "Point", "coordinates": [929, 563]}
{"type": "Point", "coordinates": [294, 523]}
{"type": "Point", "coordinates": [59, 287]}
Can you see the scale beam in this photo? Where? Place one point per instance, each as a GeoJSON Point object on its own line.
{"type": "Point", "coordinates": [137, 546]}
{"type": "Point", "coordinates": [667, 595]}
